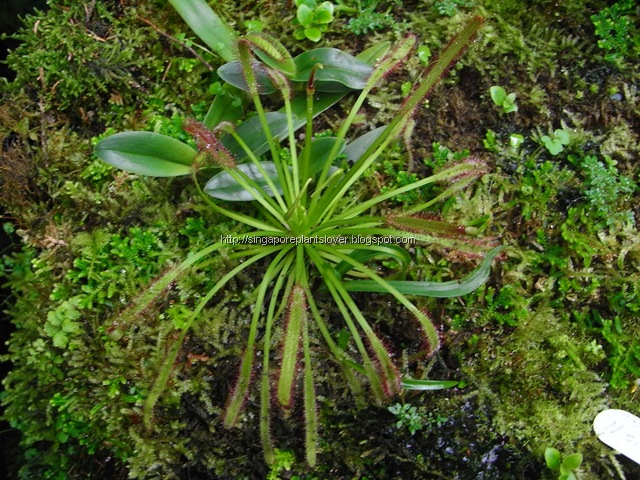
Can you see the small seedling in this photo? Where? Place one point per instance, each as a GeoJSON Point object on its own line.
{"type": "Point", "coordinates": [313, 19]}
{"type": "Point", "coordinates": [556, 141]}
{"type": "Point", "coordinates": [515, 140]}
{"type": "Point", "coordinates": [424, 54]}
{"type": "Point", "coordinates": [450, 7]}
{"type": "Point", "coordinates": [408, 416]}
{"type": "Point", "coordinates": [501, 99]}
{"type": "Point", "coordinates": [566, 466]}
{"type": "Point", "coordinates": [253, 25]}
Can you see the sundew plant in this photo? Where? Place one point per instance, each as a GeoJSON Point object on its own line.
{"type": "Point", "coordinates": [308, 228]}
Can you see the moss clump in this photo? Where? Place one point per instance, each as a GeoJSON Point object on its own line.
{"type": "Point", "coordinates": [548, 343]}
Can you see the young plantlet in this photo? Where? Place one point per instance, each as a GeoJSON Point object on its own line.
{"type": "Point", "coordinates": [501, 99]}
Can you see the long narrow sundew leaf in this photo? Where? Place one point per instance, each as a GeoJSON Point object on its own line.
{"type": "Point", "coordinates": [383, 67]}
{"type": "Point", "coordinates": [443, 175]}
{"type": "Point", "coordinates": [455, 288]}
{"type": "Point", "coordinates": [425, 224]}
{"type": "Point", "coordinates": [167, 365]}
{"type": "Point", "coordinates": [426, 323]}
{"type": "Point", "coordinates": [437, 70]}
{"type": "Point", "coordinates": [384, 379]}
{"type": "Point", "coordinates": [241, 389]}
{"type": "Point", "coordinates": [208, 26]}
{"type": "Point", "coordinates": [331, 281]}
{"type": "Point", "coordinates": [148, 296]}
{"type": "Point", "coordinates": [265, 387]}
{"type": "Point", "coordinates": [310, 409]}
{"type": "Point", "coordinates": [296, 321]}
{"type": "Point", "coordinates": [385, 367]}
{"type": "Point", "coordinates": [271, 52]}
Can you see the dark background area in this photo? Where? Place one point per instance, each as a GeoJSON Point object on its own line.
{"type": "Point", "coordinates": [12, 11]}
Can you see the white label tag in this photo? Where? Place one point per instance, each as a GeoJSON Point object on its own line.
{"type": "Point", "coordinates": [621, 431]}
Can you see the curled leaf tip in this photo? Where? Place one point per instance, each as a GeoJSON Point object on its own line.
{"type": "Point", "coordinates": [311, 82]}
{"type": "Point", "coordinates": [208, 143]}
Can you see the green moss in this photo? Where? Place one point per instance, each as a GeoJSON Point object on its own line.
{"type": "Point", "coordinates": [539, 381]}
{"type": "Point", "coordinates": [549, 342]}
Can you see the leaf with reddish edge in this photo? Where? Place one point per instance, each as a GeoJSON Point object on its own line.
{"type": "Point", "coordinates": [296, 320]}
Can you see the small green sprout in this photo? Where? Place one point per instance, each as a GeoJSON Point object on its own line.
{"type": "Point", "coordinates": [253, 25]}
{"type": "Point", "coordinates": [407, 416]}
{"type": "Point", "coordinates": [501, 99]}
{"type": "Point", "coordinates": [424, 54]}
{"type": "Point", "coordinates": [313, 19]}
{"type": "Point", "coordinates": [405, 88]}
{"type": "Point", "coordinates": [515, 140]}
{"type": "Point", "coordinates": [556, 141]}
{"type": "Point", "coordinates": [565, 466]}
{"type": "Point", "coordinates": [450, 7]}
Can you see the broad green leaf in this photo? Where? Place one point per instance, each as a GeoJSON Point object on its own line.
{"type": "Point", "coordinates": [298, 33]}
{"type": "Point", "coordinates": [252, 133]}
{"type": "Point", "coordinates": [304, 15]}
{"type": "Point", "coordinates": [147, 153]}
{"type": "Point", "coordinates": [562, 136]}
{"type": "Point", "coordinates": [339, 70]}
{"type": "Point", "coordinates": [232, 73]}
{"type": "Point", "coordinates": [498, 95]}
{"type": "Point", "coordinates": [324, 13]}
{"type": "Point", "coordinates": [208, 26]}
{"type": "Point", "coordinates": [553, 458]}
{"type": "Point", "coordinates": [224, 187]}
{"type": "Point", "coordinates": [320, 150]}
{"type": "Point", "coordinates": [454, 288]}
{"type": "Point", "coordinates": [313, 33]}
{"type": "Point", "coordinates": [360, 145]}
{"type": "Point", "coordinates": [254, 136]}
{"type": "Point", "coordinates": [412, 384]}
{"type": "Point", "coordinates": [251, 130]}
{"type": "Point", "coordinates": [573, 461]}
{"type": "Point", "coordinates": [60, 339]}
{"type": "Point", "coordinates": [226, 107]}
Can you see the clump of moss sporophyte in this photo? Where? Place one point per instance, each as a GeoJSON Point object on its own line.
{"type": "Point", "coordinates": [302, 199]}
